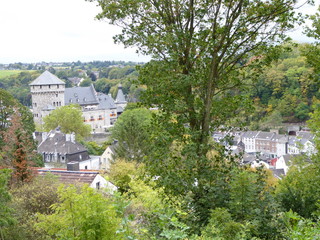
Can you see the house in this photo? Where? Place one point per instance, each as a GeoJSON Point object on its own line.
{"type": "Point", "coordinates": [284, 162]}
{"type": "Point", "coordinates": [264, 143]}
{"type": "Point", "coordinates": [107, 157]}
{"type": "Point", "coordinates": [249, 141]}
{"type": "Point", "coordinates": [75, 80]}
{"type": "Point", "coordinates": [57, 147]}
{"type": "Point", "coordinates": [278, 173]}
{"type": "Point", "coordinates": [99, 110]}
{"type": "Point", "coordinates": [298, 145]}
{"type": "Point", "coordinates": [92, 178]}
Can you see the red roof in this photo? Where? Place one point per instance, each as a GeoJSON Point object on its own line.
{"type": "Point", "coordinates": [71, 177]}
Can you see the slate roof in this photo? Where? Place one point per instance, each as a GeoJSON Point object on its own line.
{"type": "Point", "coordinates": [278, 173]}
{"type": "Point", "coordinates": [81, 96]}
{"type": "Point", "coordinates": [250, 134]}
{"type": "Point", "coordinates": [120, 96]}
{"type": "Point", "coordinates": [57, 142]}
{"type": "Point", "coordinates": [105, 101]}
{"type": "Point", "coordinates": [47, 78]}
{"type": "Point", "coordinates": [71, 177]}
{"type": "Point", "coordinates": [305, 135]}
{"type": "Point", "coordinates": [119, 109]}
{"type": "Point", "coordinates": [288, 158]}
{"type": "Point", "coordinates": [280, 138]}
{"type": "Point", "coordinates": [265, 135]}
{"type": "Point", "coordinates": [248, 158]}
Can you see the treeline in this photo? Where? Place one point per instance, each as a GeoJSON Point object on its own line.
{"type": "Point", "coordinates": [106, 76]}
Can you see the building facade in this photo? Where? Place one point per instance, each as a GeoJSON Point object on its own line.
{"type": "Point", "coordinates": [47, 93]}
{"type": "Point", "coordinates": [99, 110]}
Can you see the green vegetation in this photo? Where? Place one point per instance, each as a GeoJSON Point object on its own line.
{"type": "Point", "coordinates": [61, 116]}
{"type": "Point", "coordinates": [133, 135]}
{"type": "Point", "coordinates": [212, 63]}
{"type": "Point", "coordinates": [7, 73]}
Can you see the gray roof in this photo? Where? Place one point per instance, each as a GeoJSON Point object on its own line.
{"type": "Point", "coordinates": [249, 134]}
{"type": "Point", "coordinates": [265, 135]}
{"type": "Point", "coordinates": [278, 173]}
{"type": "Point", "coordinates": [56, 142]}
{"type": "Point", "coordinates": [248, 158]}
{"type": "Point", "coordinates": [119, 109]}
{"type": "Point", "coordinates": [120, 96]}
{"type": "Point", "coordinates": [280, 138]}
{"type": "Point", "coordinates": [288, 158]}
{"type": "Point", "coordinates": [80, 95]}
{"type": "Point", "coordinates": [47, 78]}
{"type": "Point", "coordinates": [305, 135]}
{"type": "Point", "coordinates": [106, 101]}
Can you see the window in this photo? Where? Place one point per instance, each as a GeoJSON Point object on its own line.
{"type": "Point", "coordinates": [97, 185]}
{"type": "Point", "coordinates": [49, 86]}
{"type": "Point", "coordinates": [56, 95]}
{"type": "Point", "coordinates": [91, 118]}
{"type": "Point", "coordinates": [57, 86]}
{"type": "Point", "coordinates": [40, 87]}
{"type": "Point", "coordinates": [85, 167]}
{"type": "Point", "coordinates": [100, 117]}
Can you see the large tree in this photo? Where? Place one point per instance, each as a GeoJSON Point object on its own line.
{"type": "Point", "coordinates": [131, 132]}
{"type": "Point", "coordinates": [200, 48]}
{"type": "Point", "coordinates": [69, 119]}
{"type": "Point", "coordinates": [200, 53]}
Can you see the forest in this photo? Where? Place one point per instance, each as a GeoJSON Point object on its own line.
{"type": "Point", "coordinates": [216, 66]}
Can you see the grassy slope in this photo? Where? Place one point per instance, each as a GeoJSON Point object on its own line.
{"type": "Point", "coordinates": [5, 73]}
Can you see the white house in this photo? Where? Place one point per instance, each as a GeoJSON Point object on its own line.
{"type": "Point", "coordinates": [249, 140]}
{"type": "Point", "coordinates": [107, 157]}
{"type": "Point", "coordinates": [92, 178]}
{"type": "Point", "coordinates": [284, 162]}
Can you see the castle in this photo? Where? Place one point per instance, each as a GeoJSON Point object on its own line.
{"type": "Point", "coordinates": [99, 110]}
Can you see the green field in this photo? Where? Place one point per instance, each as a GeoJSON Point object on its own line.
{"type": "Point", "coordinates": [6, 73]}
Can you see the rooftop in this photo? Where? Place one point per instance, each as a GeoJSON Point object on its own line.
{"type": "Point", "coordinates": [47, 78]}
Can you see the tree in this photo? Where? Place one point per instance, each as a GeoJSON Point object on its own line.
{"type": "Point", "coordinates": [132, 133]}
{"type": "Point", "coordinates": [200, 48]}
{"type": "Point", "coordinates": [200, 52]}
{"type": "Point", "coordinates": [19, 150]}
{"type": "Point", "coordinates": [28, 200]}
{"type": "Point", "coordinates": [81, 214]}
{"type": "Point", "coordinates": [6, 213]}
{"type": "Point", "coordinates": [69, 119]}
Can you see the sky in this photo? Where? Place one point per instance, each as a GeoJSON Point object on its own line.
{"type": "Point", "coordinates": [65, 31]}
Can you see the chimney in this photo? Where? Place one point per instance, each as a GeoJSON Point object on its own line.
{"type": "Point", "coordinates": [73, 166]}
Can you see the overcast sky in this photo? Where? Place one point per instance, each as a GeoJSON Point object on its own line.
{"type": "Point", "coordinates": [62, 30]}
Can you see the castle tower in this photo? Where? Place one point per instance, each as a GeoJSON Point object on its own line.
{"type": "Point", "coordinates": [120, 99]}
{"type": "Point", "coordinates": [47, 93]}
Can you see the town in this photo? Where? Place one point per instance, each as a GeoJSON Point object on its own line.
{"type": "Point", "coordinates": [160, 120]}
